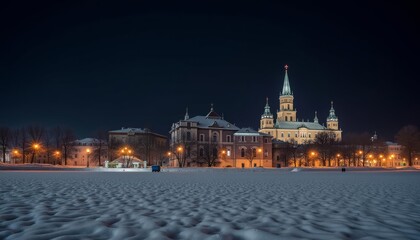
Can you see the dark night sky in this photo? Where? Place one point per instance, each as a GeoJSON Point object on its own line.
{"type": "Point", "coordinates": [107, 65]}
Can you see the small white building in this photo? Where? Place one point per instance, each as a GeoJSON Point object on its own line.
{"type": "Point", "coordinates": [395, 155]}
{"type": "Point", "coordinates": [7, 159]}
{"type": "Point", "coordinates": [92, 149]}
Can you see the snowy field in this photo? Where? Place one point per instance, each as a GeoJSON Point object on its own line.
{"type": "Point", "coordinates": [210, 204]}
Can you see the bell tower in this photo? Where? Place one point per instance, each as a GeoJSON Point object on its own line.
{"type": "Point", "coordinates": [267, 120]}
{"type": "Point", "coordinates": [287, 111]}
{"type": "Point", "coordinates": [332, 119]}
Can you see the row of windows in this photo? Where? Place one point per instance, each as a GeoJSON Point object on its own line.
{"type": "Point", "coordinates": [286, 108]}
{"type": "Point", "coordinates": [215, 137]}
{"type": "Point", "coordinates": [253, 139]}
{"type": "Point", "coordinates": [254, 152]}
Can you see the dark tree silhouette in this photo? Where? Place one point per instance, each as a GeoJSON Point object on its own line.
{"type": "Point", "coordinates": [5, 135]}
{"type": "Point", "coordinates": [409, 138]}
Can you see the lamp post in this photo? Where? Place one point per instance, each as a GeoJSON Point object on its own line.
{"type": "Point", "coordinates": [57, 156]}
{"type": "Point", "coordinates": [15, 155]}
{"type": "Point", "coordinates": [35, 146]}
{"type": "Point", "coordinates": [169, 158]}
{"type": "Point", "coordinates": [126, 152]}
{"type": "Point", "coordinates": [88, 154]}
{"type": "Point", "coordinates": [313, 158]}
{"type": "Point", "coordinates": [262, 156]}
{"type": "Point", "coordinates": [338, 159]}
{"type": "Point", "coordinates": [180, 159]}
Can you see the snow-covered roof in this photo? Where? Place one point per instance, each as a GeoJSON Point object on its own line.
{"type": "Point", "coordinates": [297, 125]}
{"type": "Point", "coordinates": [249, 132]}
{"type": "Point", "coordinates": [133, 131]}
{"type": "Point", "coordinates": [129, 130]}
{"type": "Point", "coordinates": [88, 141]}
{"type": "Point", "coordinates": [206, 122]}
{"type": "Point", "coordinates": [123, 159]}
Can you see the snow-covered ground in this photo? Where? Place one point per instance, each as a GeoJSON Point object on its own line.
{"type": "Point", "coordinates": [210, 204]}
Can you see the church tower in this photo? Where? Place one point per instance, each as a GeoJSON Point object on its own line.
{"type": "Point", "coordinates": [267, 120]}
{"type": "Point", "coordinates": [287, 112]}
{"type": "Point", "coordinates": [332, 120]}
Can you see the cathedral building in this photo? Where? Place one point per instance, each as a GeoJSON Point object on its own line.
{"type": "Point", "coordinates": [286, 127]}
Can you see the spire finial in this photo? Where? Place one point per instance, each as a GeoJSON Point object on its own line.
{"type": "Point", "coordinates": [186, 114]}
{"type": "Point", "coordinates": [267, 113]}
{"type": "Point", "coordinates": [211, 109]}
{"type": "Point", "coordinates": [286, 85]}
{"type": "Point", "coordinates": [316, 118]}
{"type": "Point", "coordinates": [332, 116]}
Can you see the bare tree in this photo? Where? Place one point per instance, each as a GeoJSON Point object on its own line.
{"type": "Point", "coordinates": [409, 138]}
{"type": "Point", "coordinates": [56, 134]}
{"type": "Point", "coordinates": [250, 154]}
{"type": "Point", "coordinates": [48, 144]}
{"type": "Point", "coordinates": [100, 146]}
{"type": "Point", "coordinates": [114, 148]}
{"type": "Point", "coordinates": [290, 152]}
{"type": "Point", "coordinates": [184, 149]}
{"type": "Point", "coordinates": [67, 139]}
{"type": "Point", "coordinates": [209, 153]}
{"type": "Point", "coordinates": [324, 142]}
{"type": "Point", "coordinates": [5, 135]}
{"type": "Point", "coordinates": [36, 133]}
{"type": "Point", "coordinates": [21, 139]}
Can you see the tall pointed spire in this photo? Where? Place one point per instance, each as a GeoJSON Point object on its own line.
{"type": "Point", "coordinates": [286, 85]}
{"type": "Point", "coordinates": [186, 115]}
{"type": "Point", "coordinates": [332, 116]}
{"type": "Point", "coordinates": [316, 118]}
{"type": "Point", "coordinates": [267, 112]}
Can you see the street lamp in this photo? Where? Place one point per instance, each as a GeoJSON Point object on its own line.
{"type": "Point", "coordinates": [313, 154]}
{"type": "Point", "coordinates": [262, 156]}
{"type": "Point", "coordinates": [15, 155]}
{"type": "Point", "coordinates": [57, 156]}
{"type": "Point", "coordinates": [338, 159]}
{"type": "Point", "coordinates": [88, 154]}
{"type": "Point", "coordinates": [370, 159]}
{"type": "Point", "coordinates": [126, 152]}
{"type": "Point", "coordinates": [35, 146]}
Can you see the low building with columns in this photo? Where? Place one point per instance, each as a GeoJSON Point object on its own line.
{"type": "Point", "coordinates": [286, 127]}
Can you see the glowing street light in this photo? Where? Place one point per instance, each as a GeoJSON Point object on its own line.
{"type": "Point", "coordinates": [57, 155]}
{"type": "Point", "coordinates": [88, 154]}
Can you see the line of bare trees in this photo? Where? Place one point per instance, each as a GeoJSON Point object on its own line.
{"type": "Point", "coordinates": [26, 143]}
{"type": "Point", "coordinates": [354, 150]}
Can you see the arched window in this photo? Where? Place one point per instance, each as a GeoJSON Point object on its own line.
{"type": "Point", "coordinates": [282, 135]}
{"type": "Point", "coordinates": [242, 152]}
{"type": "Point", "coordinates": [188, 136]}
{"type": "Point", "coordinates": [254, 152]}
{"type": "Point", "coordinates": [214, 137]}
{"type": "Point", "coordinates": [201, 152]}
{"type": "Point", "coordinates": [285, 118]}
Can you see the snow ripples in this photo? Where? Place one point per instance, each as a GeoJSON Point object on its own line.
{"type": "Point", "coordinates": [212, 204]}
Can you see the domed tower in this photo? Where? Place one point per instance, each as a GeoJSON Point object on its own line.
{"type": "Point", "coordinates": [332, 119]}
{"type": "Point", "coordinates": [267, 120]}
{"type": "Point", "coordinates": [287, 112]}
